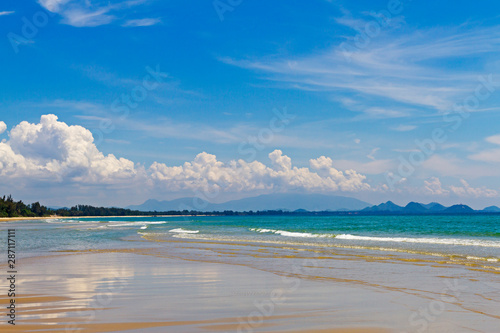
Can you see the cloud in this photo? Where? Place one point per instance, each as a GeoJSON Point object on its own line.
{"type": "Point", "coordinates": [3, 127]}
{"type": "Point", "coordinates": [490, 155]}
{"type": "Point", "coordinates": [495, 139]}
{"type": "Point", "coordinates": [467, 190]}
{"type": "Point", "coordinates": [398, 69]}
{"type": "Point", "coordinates": [371, 155]}
{"type": "Point", "coordinates": [404, 128]}
{"type": "Point", "coordinates": [83, 13]}
{"type": "Point", "coordinates": [58, 156]}
{"type": "Point", "coordinates": [53, 5]}
{"type": "Point", "coordinates": [4, 13]}
{"type": "Point", "coordinates": [146, 22]}
{"type": "Point", "coordinates": [374, 167]}
{"type": "Point", "coordinates": [433, 187]}
{"type": "Point", "coordinates": [86, 18]}
{"type": "Point", "coordinates": [54, 152]}
{"type": "Point", "coordinates": [206, 173]}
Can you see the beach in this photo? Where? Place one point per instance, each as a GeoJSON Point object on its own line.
{"type": "Point", "coordinates": [126, 275]}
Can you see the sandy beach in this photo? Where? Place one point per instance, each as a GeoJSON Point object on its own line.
{"type": "Point", "coordinates": [9, 219]}
{"type": "Point", "coordinates": [122, 291]}
{"type": "Point", "coordinates": [154, 284]}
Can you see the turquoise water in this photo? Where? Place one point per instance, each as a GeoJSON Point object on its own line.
{"type": "Point", "coordinates": [471, 237]}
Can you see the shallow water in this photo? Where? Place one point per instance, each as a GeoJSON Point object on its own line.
{"type": "Point", "coordinates": [475, 238]}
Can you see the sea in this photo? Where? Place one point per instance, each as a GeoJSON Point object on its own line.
{"type": "Point", "coordinates": [474, 238]}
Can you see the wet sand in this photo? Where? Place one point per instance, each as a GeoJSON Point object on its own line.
{"type": "Point", "coordinates": [195, 286]}
{"type": "Point", "coordinates": [9, 219]}
{"type": "Point", "coordinates": [124, 291]}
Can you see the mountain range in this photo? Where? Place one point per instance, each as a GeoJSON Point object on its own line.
{"type": "Point", "coordinates": [419, 208]}
{"type": "Point", "coordinates": [304, 203]}
{"type": "Point", "coordinates": [279, 201]}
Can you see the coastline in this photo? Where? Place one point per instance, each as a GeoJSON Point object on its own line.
{"type": "Point", "coordinates": [10, 219]}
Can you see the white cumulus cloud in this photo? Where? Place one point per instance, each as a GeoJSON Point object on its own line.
{"type": "Point", "coordinates": [467, 190]}
{"type": "Point", "coordinates": [433, 186]}
{"type": "Point", "coordinates": [206, 173]}
{"type": "Point", "coordinates": [53, 150]}
{"type": "Point", "coordinates": [3, 127]}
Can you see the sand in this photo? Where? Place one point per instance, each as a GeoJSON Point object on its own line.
{"type": "Point", "coordinates": [127, 290]}
{"type": "Point", "coordinates": [8, 219]}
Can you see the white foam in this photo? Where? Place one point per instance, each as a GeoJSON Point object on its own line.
{"type": "Point", "coordinates": [184, 231]}
{"type": "Point", "coordinates": [292, 234]}
{"type": "Point", "coordinates": [442, 241]}
{"type": "Point", "coordinates": [135, 224]}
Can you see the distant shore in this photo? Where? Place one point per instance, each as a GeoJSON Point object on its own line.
{"type": "Point", "coordinates": [8, 219]}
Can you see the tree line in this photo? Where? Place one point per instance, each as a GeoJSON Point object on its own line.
{"type": "Point", "coordinates": [11, 208]}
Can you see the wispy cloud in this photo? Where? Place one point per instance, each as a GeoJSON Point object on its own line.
{"type": "Point", "coordinates": [84, 18]}
{"type": "Point", "coordinates": [489, 155]}
{"type": "Point", "coordinates": [146, 22]}
{"type": "Point", "coordinates": [404, 128]}
{"type": "Point", "coordinates": [83, 13]}
{"type": "Point", "coordinates": [5, 13]}
{"type": "Point", "coordinates": [402, 70]}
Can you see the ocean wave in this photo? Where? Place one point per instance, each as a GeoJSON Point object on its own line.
{"type": "Point", "coordinates": [441, 241]}
{"type": "Point", "coordinates": [293, 234]}
{"type": "Point", "coordinates": [135, 224]}
{"type": "Point", "coordinates": [55, 221]}
{"type": "Point", "coordinates": [184, 231]}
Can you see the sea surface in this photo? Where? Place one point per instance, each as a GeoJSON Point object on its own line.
{"type": "Point", "coordinates": [462, 237]}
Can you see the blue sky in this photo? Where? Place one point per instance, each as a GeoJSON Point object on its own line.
{"type": "Point", "coordinates": [360, 81]}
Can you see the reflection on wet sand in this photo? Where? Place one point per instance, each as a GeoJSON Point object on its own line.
{"type": "Point", "coordinates": [202, 286]}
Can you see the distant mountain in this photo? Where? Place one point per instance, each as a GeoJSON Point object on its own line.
{"type": "Point", "coordinates": [459, 209]}
{"type": "Point", "coordinates": [57, 208]}
{"type": "Point", "coordinates": [389, 206]}
{"type": "Point", "coordinates": [414, 207]}
{"type": "Point", "coordinates": [418, 208]}
{"type": "Point", "coordinates": [303, 203]}
{"type": "Point", "coordinates": [434, 207]}
{"type": "Point", "coordinates": [279, 201]}
{"type": "Point", "coordinates": [165, 206]}
{"type": "Point", "coordinates": [491, 209]}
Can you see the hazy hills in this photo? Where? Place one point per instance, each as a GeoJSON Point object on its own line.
{"type": "Point", "coordinates": [305, 203]}
{"type": "Point", "coordinates": [280, 201]}
{"type": "Point", "coordinates": [418, 208]}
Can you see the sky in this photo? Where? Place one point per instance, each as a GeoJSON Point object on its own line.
{"type": "Point", "coordinates": [117, 102]}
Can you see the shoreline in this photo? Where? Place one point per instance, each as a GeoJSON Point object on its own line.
{"type": "Point", "coordinates": [9, 219]}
